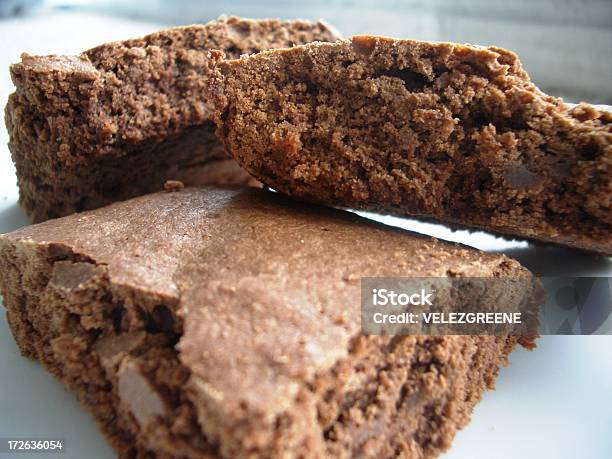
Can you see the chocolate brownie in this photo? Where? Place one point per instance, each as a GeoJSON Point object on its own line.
{"type": "Point", "coordinates": [450, 132]}
{"type": "Point", "coordinates": [221, 322]}
{"type": "Point", "coordinates": [120, 119]}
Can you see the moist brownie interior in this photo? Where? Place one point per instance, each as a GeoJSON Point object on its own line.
{"type": "Point", "coordinates": [217, 322]}
{"type": "Point", "coordinates": [120, 119]}
{"type": "Point", "coordinates": [454, 133]}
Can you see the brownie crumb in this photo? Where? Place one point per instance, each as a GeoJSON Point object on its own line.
{"type": "Point", "coordinates": [173, 185]}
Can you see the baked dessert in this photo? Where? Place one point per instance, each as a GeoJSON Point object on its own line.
{"type": "Point", "coordinates": [120, 119]}
{"type": "Point", "coordinates": [217, 322]}
{"type": "Point", "coordinates": [443, 131]}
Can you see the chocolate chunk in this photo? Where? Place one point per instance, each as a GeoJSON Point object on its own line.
{"type": "Point", "coordinates": [69, 276]}
{"type": "Point", "coordinates": [521, 178]}
{"type": "Point", "coordinates": [138, 394]}
{"type": "Point", "coordinates": [113, 348]}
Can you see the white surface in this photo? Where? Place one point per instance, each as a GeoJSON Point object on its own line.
{"type": "Point", "coordinates": [554, 402]}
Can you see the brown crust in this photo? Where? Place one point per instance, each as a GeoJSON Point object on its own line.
{"type": "Point", "coordinates": [120, 119]}
{"type": "Point", "coordinates": [262, 296]}
{"type": "Point", "coordinates": [455, 133]}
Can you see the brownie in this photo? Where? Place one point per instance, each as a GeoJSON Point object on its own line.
{"type": "Point", "coordinates": [120, 119]}
{"type": "Point", "coordinates": [225, 322]}
{"type": "Point", "coordinates": [449, 132]}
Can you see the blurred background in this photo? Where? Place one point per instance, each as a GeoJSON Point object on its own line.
{"type": "Point", "coordinates": [565, 45]}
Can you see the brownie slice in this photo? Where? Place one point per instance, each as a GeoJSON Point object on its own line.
{"type": "Point", "coordinates": [120, 119]}
{"type": "Point", "coordinates": [221, 322]}
{"type": "Point", "coordinates": [454, 133]}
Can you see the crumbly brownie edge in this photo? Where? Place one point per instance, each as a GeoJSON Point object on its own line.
{"type": "Point", "coordinates": [470, 107]}
{"type": "Point", "coordinates": [46, 191]}
{"type": "Point", "coordinates": [98, 104]}
{"type": "Point", "coordinates": [415, 397]}
{"type": "Point", "coordinates": [388, 396]}
{"type": "Point", "coordinates": [425, 394]}
{"type": "Point", "coordinates": [86, 333]}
